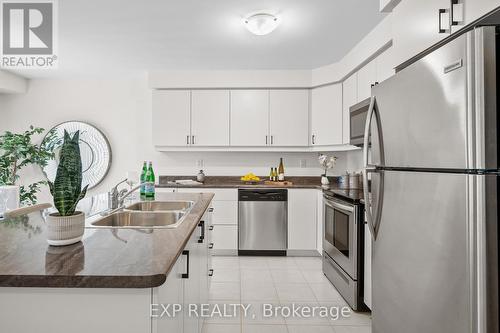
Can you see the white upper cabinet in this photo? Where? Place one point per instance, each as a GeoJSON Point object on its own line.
{"type": "Point", "coordinates": [474, 9]}
{"type": "Point", "coordinates": [250, 118]}
{"type": "Point", "coordinates": [289, 118]}
{"type": "Point", "coordinates": [171, 117]}
{"type": "Point", "coordinates": [350, 97]}
{"type": "Point", "coordinates": [367, 77]}
{"type": "Point", "coordinates": [210, 118]}
{"type": "Point", "coordinates": [385, 65]}
{"type": "Point", "coordinates": [326, 115]}
{"type": "Point", "coordinates": [416, 26]}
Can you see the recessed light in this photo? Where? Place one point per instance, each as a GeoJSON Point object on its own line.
{"type": "Point", "coordinates": [261, 24]}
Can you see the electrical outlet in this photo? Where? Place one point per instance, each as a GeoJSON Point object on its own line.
{"type": "Point", "coordinates": [303, 164]}
{"type": "Point", "coordinates": [199, 163]}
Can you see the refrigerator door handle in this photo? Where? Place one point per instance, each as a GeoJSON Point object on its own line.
{"type": "Point", "coordinates": [371, 215]}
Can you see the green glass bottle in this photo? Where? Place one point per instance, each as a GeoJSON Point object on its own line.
{"type": "Point", "coordinates": [143, 179]}
{"type": "Point", "coordinates": [150, 178]}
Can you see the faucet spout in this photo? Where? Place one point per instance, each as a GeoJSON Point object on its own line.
{"type": "Point", "coordinates": [132, 190]}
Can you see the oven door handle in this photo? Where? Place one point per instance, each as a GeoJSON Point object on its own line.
{"type": "Point", "coordinates": [336, 205]}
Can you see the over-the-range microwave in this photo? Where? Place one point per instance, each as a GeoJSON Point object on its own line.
{"type": "Point", "coordinates": [357, 121]}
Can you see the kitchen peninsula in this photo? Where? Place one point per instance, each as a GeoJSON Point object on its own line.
{"type": "Point", "coordinates": [106, 282]}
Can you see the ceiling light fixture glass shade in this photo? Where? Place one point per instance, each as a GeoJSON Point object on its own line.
{"type": "Point", "coordinates": [261, 24]}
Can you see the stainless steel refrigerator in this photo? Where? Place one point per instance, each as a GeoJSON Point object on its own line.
{"type": "Point", "coordinates": [431, 154]}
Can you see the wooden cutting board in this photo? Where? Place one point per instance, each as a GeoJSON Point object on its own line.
{"type": "Point", "coordinates": [283, 183]}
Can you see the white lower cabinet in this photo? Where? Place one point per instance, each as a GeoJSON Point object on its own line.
{"type": "Point", "coordinates": [171, 292]}
{"type": "Point", "coordinates": [225, 238]}
{"type": "Point", "coordinates": [302, 219]}
{"type": "Point", "coordinates": [223, 230]}
{"type": "Point", "coordinates": [187, 285]}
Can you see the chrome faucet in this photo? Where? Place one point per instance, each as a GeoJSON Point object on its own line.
{"type": "Point", "coordinates": [116, 198]}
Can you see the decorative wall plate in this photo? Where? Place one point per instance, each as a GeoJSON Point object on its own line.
{"type": "Point", "coordinates": [94, 149]}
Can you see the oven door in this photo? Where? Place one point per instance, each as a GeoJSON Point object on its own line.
{"type": "Point", "coordinates": [340, 235]}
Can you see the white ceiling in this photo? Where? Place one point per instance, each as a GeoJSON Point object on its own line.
{"type": "Point", "coordinates": [138, 35]}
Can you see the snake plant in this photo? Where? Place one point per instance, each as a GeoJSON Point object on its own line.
{"type": "Point", "coordinates": [67, 186]}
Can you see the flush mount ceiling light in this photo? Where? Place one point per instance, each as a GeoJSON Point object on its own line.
{"type": "Point", "coordinates": [261, 24]}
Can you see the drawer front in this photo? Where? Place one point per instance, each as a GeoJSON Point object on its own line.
{"type": "Point", "coordinates": [225, 212]}
{"type": "Point", "coordinates": [225, 237]}
{"type": "Point", "coordinates": [220, 194]}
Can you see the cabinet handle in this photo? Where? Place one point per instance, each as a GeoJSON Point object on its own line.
{"type": "Point", "coordinates": [211, 228]}
{"type": "Point", "coordinates": [202, 233]}
{"type": "Point", "coordinates": [452, 12]}
{"type": "Point", "coordinates": [266, 140]}
{"type": "Point", "coordinates": [211, 246]}
{"type": "Point", "coordinates": [440, 21]}
{"type": "Point", "coordinates": [313, 139]}
{"type": "Point", "coordinates": [186, 275]}
{"type": "Point", "coordinates": [272, 139]}
{"type": "Point", "coordinates": [187, 139]}
{"type": "Point", "coordinates": [211, 210]}
{"type": "Point", "coordinates": [210, 272]}
{"type": "Point", "coordinates": [192, 139]}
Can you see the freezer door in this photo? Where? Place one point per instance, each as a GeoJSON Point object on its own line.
{"type": "Point", "coordinates": [423, 111]}
{"type": "Point", "coordinates": [421, 262]}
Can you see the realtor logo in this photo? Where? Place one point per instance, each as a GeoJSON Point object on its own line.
{"type": "Point", "coordinates": [28, 30]}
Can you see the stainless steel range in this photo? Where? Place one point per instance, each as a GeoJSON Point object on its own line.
{"type": "Point", "coordinates": [343, 240]}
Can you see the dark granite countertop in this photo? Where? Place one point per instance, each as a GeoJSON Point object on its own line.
{"type": "Point", "coordinates": [353, 195]}
{"type": "Point", "coordinates": [105, 258]}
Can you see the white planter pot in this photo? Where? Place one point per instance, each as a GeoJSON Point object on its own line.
{"type": "Point", "coordinates": [65, 230]}
{"type": "Point", "coordinates": [324, 180]}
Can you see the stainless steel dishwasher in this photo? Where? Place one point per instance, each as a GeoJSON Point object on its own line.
{"type": "Point", "coordinates": [262, 222]}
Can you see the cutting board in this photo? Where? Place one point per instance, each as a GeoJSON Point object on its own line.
{"type": "Point", "coordinates": [283, 183]}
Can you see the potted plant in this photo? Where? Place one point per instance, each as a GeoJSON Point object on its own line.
{"type": "Point", "coordinates": [18, 151]}
{"type": "Point", "coordinates": [326, 162]}
{"type": "Point", "coordinates": [67, 225]}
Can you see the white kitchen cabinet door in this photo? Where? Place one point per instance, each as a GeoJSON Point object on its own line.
{"type": "Point", "coordinates": [385, 65]}
{"type": "Point", "coordinates": [326, 115]}
{"type": "Point", "coordinates": [171, 292]}
{"type": "Point", "coordinates": [474, 9]}
{"type": "Point", "coordinates": [250, 118]}
{"type": "Point", "coordinates": [302, 219]}
{"type": "Point", "coordinates": [368, 268]}
{"type": "Point", "coordinates": [367, 77]}
{"type": "Point", "coordinates": [225, 237]}
{"type": "Point", "coordinates": [319, 221]}
{"type": "Point", "coordinates": [210, 118]}
{"type": "Point", "coordinates": [416, 26]}
{"type": "Point", "coordinates": [171, 117]}
{"type": "Point", "coordinates": [350, 97]}
{"type": "Point", "coordinates": [225, 212]}
{"type": "Point", "coordinates": [289, 118]}
{"type": "Point", "coordinates": [192, 282]}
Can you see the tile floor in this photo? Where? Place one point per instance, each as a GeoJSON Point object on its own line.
{"type": "Point", "coordinates": [279, 281]}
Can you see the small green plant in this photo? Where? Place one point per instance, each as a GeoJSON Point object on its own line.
{"type": "Point", "coordinates": [18, 151]}
{"type": "Point", "coordinates": [67, 187]}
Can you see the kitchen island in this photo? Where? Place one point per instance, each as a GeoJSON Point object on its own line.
{"type": "Point", "coordinates": [108, 281]}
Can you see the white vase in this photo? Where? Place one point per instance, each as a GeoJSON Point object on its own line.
{"type": "Point", "coordinates": [324, 180]}
{"type": "Point", "coordinates": [65, 230]}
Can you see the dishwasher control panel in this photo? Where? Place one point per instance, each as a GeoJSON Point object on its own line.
{"type": "Point", "coordinates": [262, 195]}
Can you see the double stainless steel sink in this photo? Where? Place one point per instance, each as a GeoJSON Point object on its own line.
{"type": "Point", "coordinates": [147, 214]}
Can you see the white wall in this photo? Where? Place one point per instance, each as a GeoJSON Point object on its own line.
{"type": "Point", "coordinates": [121, 108]}
{"type": "Point", "coordinates": [12, 84]}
